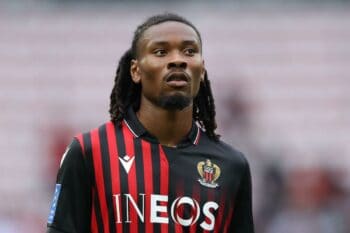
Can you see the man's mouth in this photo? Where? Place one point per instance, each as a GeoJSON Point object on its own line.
{"type": "Point", "coordinates": [177, 79]}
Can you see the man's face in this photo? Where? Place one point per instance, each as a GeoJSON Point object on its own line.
{"type": "Point", "coordinates": [169, 65]}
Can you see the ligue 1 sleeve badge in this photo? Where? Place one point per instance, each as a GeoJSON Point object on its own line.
{"type": "Point", "coordinates": [209, 173]}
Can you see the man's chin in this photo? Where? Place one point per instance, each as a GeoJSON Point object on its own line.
{"type": "Point", "coordinates": [174, 102]}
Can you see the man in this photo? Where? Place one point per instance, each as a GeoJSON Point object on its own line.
{"type": "Point", "coordinates": [158, 165]}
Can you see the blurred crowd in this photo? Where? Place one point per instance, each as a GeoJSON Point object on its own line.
{"type": "Point", "coordinates": [306, 198]}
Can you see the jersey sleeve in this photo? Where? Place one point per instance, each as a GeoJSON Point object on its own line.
{"type": "Point", "coordinates": [71, 205]}
{"type": "Point", "coordinates": [242, 221]}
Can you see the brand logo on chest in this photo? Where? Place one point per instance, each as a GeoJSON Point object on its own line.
{"type": "Point", "coordinates": [127, 162]}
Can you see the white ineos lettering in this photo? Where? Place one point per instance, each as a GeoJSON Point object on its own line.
{"type": "Point", "coordinates": [133, 203]}
{"type": "Point", "coordinates": [206, 211]}
{"type": "Point", "coordinates": [117, 207]}
{"type": "Point", "coordinates": [155, 208]}
{"type": "Point", "coordinates": [158, 211]}
{"type": "Point", "coordinates": [182, 201]}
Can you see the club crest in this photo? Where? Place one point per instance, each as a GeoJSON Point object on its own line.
{"type": "Point", "coordinates": [209, 173]}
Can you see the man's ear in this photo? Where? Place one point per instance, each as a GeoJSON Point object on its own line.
{"type": "Point", "coordinates": [135, 71]}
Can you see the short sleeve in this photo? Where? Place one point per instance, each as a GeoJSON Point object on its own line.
{"type": "Point", "coordinates": [71, 205]}
{"type": "Point", "coordinates": [242, 221]}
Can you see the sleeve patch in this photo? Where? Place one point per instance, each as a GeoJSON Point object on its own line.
{"type": "Point", "coordinates": [54, 203]}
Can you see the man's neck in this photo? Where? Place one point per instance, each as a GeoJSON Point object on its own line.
{"type": "Point", "coordinates": [169, 127]}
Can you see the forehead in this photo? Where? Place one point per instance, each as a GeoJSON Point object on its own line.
{"type": "Point", "coordinates": [168, 31]}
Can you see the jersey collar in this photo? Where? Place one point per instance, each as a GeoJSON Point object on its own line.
{"type": "Point", "coordinates": [136, 128]}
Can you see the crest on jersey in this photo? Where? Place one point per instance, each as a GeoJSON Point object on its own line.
{"type": "Point", "coordinates": [209, 173]}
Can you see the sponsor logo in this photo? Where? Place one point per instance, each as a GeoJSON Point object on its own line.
{"type": "Point", "coordinates": [160, 213]}
{"type": "Point", "coordinates": [127, 162]}
{"type": "Point", "coordinates": [209, 173]}
{"type": "Point", "coordinates": [54, 203]}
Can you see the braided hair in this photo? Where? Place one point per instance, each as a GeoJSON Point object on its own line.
{"type": "Point", "coordinates": [126, 93]}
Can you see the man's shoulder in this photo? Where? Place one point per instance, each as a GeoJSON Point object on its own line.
{"type": "Point", "coordinates": [93, 136]}
{"type": "Point", "coordinates": [234, 153]}
{"type": "Point", "coordinates": [225, 150]}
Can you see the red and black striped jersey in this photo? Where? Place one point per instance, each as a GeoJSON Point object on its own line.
{"type": "Point", "coordinates": [119, 179]}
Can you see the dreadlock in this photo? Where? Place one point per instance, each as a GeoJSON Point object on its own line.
{"type": "Point", "coordinates": [126, 93]}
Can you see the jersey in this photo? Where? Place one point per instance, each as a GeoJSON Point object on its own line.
{"type": "Point", "coordinates": [119, 179]}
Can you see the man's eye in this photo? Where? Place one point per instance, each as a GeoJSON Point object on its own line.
{"type": "Point", "coordinates": [190, 51]}
{"type": "Point", "coordinates": [159, 52]}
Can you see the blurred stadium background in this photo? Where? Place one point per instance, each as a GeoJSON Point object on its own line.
{"type": "Point", "coordinates": [281, 78]}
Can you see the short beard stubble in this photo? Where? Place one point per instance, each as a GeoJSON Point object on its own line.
{"type": "Point", "coordinates": [174, 102]}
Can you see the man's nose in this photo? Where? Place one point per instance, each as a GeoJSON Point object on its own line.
{"type": "Point", "coordinates": [177, 61]}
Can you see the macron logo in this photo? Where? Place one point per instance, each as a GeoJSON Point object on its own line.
{"type": "Point", "coordinates": [127, 162]}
